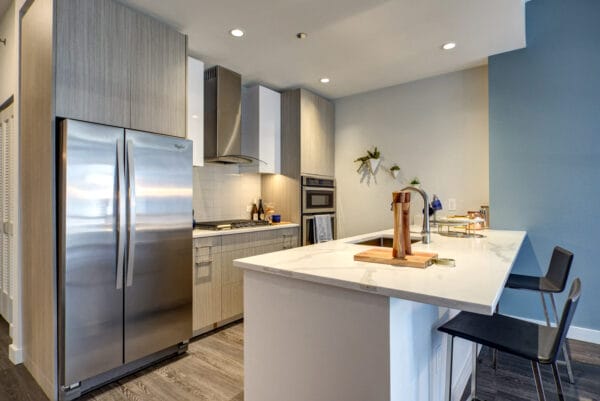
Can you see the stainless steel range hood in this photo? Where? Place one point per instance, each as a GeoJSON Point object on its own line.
{"type": "Point", "coordinates": [222, 117]}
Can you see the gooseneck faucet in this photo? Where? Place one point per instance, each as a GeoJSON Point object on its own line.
{"type": "Point", "coordinates": [425, 232]}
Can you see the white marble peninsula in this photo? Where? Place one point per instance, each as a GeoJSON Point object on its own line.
{"type": "Point", "coordinates": [320, 326]}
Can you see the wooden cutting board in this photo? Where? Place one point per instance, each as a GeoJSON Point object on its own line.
{"type": "Point", "coordinates": [384, 256]}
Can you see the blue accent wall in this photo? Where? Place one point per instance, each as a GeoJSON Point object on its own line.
{"type": "Point", "coordinates": [545, 148]}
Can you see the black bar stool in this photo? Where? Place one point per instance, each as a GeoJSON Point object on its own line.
{"type": "Point", "coordinates": [537, 343]}
{"type": "Point", "coordinates": [553, 282]}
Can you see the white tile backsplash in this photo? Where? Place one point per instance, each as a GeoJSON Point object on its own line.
{"type": "Point", "coordinates": [222, 193]}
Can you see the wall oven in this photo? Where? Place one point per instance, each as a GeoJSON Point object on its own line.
{"type": "Point", "coordinates": [318, 195]}
{"type": "Point", "coordinates": [308, 230]}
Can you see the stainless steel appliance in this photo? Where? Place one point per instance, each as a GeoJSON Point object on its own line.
{"type": "Point", "coordinates": [223, 116]}
{"type": "Point", "coordinates": [308, 228]}
{"type": "Point", "coordinates": [230, 224]}
{"type": "Point", "coordinates": [125, 254]}
{"type": "Point", "coordinates": [318, 195]}
{"type": "Point", "coordinates": [318, 198]}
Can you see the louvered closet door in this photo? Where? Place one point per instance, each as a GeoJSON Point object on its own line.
{"type": "Point", "coordinates": [7, 261]}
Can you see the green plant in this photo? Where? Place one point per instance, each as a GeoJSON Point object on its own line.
{"type": "Point", "coordinates": [415, 181]}
{"type": "Point", "coordinates": [375, 154]}
{"type": "Point", "coordinates": [395, 167]}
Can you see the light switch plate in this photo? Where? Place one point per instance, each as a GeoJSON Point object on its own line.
{"type": "Point", "coordinates": [452, 204]}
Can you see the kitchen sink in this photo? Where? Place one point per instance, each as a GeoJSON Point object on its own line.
{"type": "Point", "coordinates": [383, 241]}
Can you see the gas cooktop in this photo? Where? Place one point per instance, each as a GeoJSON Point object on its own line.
{"type": "Point", "coordinates": [229, 224]}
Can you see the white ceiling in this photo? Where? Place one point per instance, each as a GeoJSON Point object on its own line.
{"type": "Point", "coordinates": [360, 44]}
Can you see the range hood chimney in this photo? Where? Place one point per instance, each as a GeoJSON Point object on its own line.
{"type": "Point", "coordinates": [222, 117]}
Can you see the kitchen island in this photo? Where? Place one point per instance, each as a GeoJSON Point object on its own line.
{"type": "Point", "coordinates": [321, 326]}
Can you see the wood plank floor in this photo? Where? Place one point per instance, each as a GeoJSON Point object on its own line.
{"type": "Point", "coordinates": [16, 382]}
{"type": "Point", "coordinates": [513, 379]}
{"type": "Point", "coordinates": [213, 370]}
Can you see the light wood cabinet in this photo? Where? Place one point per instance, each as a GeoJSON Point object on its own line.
{"type": "Point", "coordinates": [119, 67]}
{"type": "Point", "coordinates": [158, 77]}
{"type": "Point", "coordinates": [316, 135]}
{"type": "Point", "coordinates": [218, 284]}
{"type": "Point", "coordinates": [92, 61]}
{"type": "Point", "coordinates": [207, 282]}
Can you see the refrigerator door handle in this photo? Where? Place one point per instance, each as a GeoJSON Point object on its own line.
{"type": "Point", "coordinates": [122, 215]}
{"type": "Point", "coordinates": [131, 214]}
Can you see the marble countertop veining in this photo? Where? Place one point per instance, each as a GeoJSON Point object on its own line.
{"type": "Point", "coordinates": [198, 233]}
{"type": "Point", "coordinates": [474, 284]}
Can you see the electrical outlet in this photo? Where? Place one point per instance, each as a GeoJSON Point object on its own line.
{"type": "Point", "coordinates": [452, 204]}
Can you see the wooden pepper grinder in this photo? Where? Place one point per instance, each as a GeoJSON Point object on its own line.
{"type": "Point", "coordinates": [398, 243]}
{"type": "Point", "coordinates": [406, 224]}
{"type": "Point", "coordinates": [401, 206]}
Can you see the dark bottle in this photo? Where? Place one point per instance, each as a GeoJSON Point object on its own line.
{"type": "Point", "coordinates": [254, 213]}
{"type": "Point", "coordinates": [261, 210]}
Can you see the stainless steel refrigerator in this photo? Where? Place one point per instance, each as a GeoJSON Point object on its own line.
{"type": "Point", "coordinates": [125, 251]}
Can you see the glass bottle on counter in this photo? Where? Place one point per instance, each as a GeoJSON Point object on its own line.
{"type": "Point", "coordinates": [254, 212]}
{"type": "Point", "coordinates": [261, 210]}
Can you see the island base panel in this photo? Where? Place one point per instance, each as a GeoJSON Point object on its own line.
{"type": "Point", "coordinates": [308, 341]}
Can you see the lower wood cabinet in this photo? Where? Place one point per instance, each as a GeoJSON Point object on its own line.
{"type": "Point", "coordinates": [207, 282]}
{"type": "Point", "coordinates": [218, 285]}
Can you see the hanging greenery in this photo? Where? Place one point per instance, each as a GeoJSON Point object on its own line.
{"type": "Point", "coordinates": [364, 160]}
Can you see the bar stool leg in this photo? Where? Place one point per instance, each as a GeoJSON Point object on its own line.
{"type": "Point", "coordinates": [564, 346]}
{"type": "Point", "coordinates": [449, 353]}
{"type": "Point", "coordinates": [474, 373]}
{"type": "Point", "coordinates": [538, 381]}
{"type": "Point", "coordinates": [559, 389]}
{"type": "Point", "coordinates": [495, 351]}
{"type": "Point", "coordinates": [545, 309]}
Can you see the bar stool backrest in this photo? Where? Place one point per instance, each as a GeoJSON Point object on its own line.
{"type": "Point", "coordinates": [560, 266]}
{"type": "Point", "coordinates": [567, 316]}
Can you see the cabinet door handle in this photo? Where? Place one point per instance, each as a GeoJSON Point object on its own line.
{"type": "Point", "coordinates": [210, 255]}
{"type": "Point", "coordinates": [131, 215]}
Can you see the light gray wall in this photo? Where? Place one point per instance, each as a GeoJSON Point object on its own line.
{"type": "Point", "coordinates": [436, 129]}
{"type": "Point", "coordinates": [8, 54]}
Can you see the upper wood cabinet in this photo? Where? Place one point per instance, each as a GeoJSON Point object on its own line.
{"type": "Point", "coordinates": [307, 134]}
{"type": "Point", "coordinates": [158, 81]}
{"type": "Point", "coordinates": [119, 67]}
{"type": "Point", "coordinates": [92, 61]}
{"type": "Point", "coordinates": [317, 135]}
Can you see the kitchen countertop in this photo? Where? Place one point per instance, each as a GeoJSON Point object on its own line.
{"type": "Point", "coordinates": [474, 284]}
{"type": "Point", "coordinates": [198, 233]}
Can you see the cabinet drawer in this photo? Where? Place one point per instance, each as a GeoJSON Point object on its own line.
{"type": "Point", "coordinates": [233, 242]}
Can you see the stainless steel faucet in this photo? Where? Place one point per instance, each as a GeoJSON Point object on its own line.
{"type": "Point", "coordinates": [425, 232]}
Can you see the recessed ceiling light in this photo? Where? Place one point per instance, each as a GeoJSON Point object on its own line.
{"type": "Point", "coordinates": [449, 46]}
{"type": "Point", "coordinates": [324, 80]}
{"type": "Point", "coordinates": [195, 116]}
{"type": "Point", "coordinates": [236, 32]}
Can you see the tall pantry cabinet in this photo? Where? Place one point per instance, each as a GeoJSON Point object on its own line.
{"type": "Point", "coordinates": [91, 60]}
{"type": "Point", "coordinates": [307, 148]}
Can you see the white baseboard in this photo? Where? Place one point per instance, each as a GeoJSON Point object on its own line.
{"type": "Point", "coordinates": [15, 354]}
{"type": "Point", "coordinates": [575, 332]}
